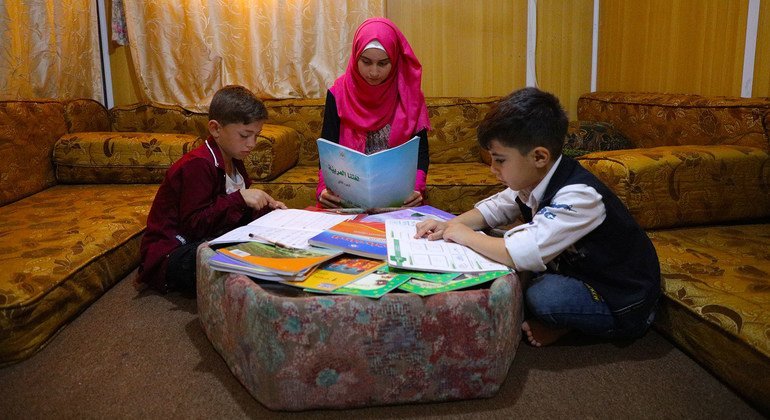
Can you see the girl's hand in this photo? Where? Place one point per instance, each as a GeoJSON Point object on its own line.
{"type": "Point", "coordinates": [329, 200]}
{"type": "Point", "coordinates": [414, 199]}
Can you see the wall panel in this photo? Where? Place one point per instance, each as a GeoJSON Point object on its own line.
{"type": "Point", "coordinates": [466, 48]}
{"type": "Point", "coordinates": [563, 52]}
{"type": "Point", "coordinates": [679, 46]}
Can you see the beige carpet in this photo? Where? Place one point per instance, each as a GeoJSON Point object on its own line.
{"type": "Point", "coordinates": [142, 355]}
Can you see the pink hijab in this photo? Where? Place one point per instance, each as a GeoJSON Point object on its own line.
{"type": "Point", "coordinates": [397, 101]}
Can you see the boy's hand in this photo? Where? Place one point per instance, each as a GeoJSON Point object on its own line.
{"type": "Point", "coordinates": [414, 199]}
{"type": "Point", "coordinates": [329, 200]}
{"type": "Point", "coordinates": [458, 233]}
{"type": "Point", "coordinates": [258, 199]}
{"type": "Point", "coordinates": [434, 229]}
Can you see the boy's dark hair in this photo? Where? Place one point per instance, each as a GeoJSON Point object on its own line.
{"type": "Point", "coordinates": [525, 119]}
{"type": "Point", "coordinates": [236, 104]}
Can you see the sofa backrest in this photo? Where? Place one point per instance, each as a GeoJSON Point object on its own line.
{"type": "Point", "coordinates": [28, 132]}
{"type": "Point", "coordinates": [451, 139]}
{"type": "Point", "coordinates": [657, 119]}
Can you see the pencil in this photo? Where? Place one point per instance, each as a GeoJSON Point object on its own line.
{"type": "Point", "coordinates": [269, 242]}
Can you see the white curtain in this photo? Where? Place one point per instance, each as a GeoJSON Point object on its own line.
{"type": "Point", "coordinates": [49, 49]}
{"type": "Point", "coordinates": [184, 50]}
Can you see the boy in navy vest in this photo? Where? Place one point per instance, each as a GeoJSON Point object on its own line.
{"type": "Point", "coordinates": [594, 269]}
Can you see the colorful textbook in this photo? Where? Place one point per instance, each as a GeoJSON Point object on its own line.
{"type": "Point", "coordinates": [366, 239]}
{"type": "Point", "coordinates": [382, 179]}
{"type": "Point", "coordinates": [278, 260]}
{"type": "Point", "coordinates": [337, 273]}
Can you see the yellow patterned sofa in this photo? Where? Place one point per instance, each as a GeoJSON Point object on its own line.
{"type": "Point", "coordinates": [77, 182]}
{"type": "Point", "coordinates": [458, 177]}
{"type": "Point", "coordinates": [699, 181]}
{"type": "Point", "coordinates": [74, 198]}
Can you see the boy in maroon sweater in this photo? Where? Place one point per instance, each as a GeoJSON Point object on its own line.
{"type": "Point", "coordinates": [205, 193]}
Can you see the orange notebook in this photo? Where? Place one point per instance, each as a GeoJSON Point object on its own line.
{"type": "Point", "coordinates": [280, 260]}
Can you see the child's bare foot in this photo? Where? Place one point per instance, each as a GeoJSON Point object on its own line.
{"type": "Point", "coordinates": [539, 334]}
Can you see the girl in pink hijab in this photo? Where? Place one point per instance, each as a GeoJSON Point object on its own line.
{"type": "Point", "coordinates": [378, 103]}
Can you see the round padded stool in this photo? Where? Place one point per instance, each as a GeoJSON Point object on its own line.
{"type": "Point", "coordinates": [336, 351]}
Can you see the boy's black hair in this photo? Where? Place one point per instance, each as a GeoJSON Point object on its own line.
{"type": "Point", "coordinates": [236, 104]}
{"type": "Point", "coordinates": [525, 119]}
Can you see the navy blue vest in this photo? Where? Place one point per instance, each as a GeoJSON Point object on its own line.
{"type": "Point", "coordinates": [617, 258]}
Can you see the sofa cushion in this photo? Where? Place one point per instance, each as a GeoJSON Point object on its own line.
{"type": "Point", "coordinates": [445, 189]}
{"type": "Point", "coordinates": [303, 116]}
{"type": "Point", "coordinates": [159, 118]}
{"type": "Point", "coordinates": [295, 187]}
{"type": "Point", "coordinates": [62, 248]}
{"type": "Point", "coordinates": [716, 284]}
{"type": "Point", "coordinates": [118, 158]}
{"type": "Point", "coordinates": [306, 117]}
{"type": "Point", "coordinates": [133, 157]}
{"type": "Point", "coordinates": [456, 187]}
{"type": "Point", "coordinates": [454, 121]}
{"type": "Point", "coordinates": [657, 119]}
{"type": "Point", "coordinates": [592, 136]}
{"type": "Point", "coordinates": [687, 185]}
{"type": "Point", "coordinates": [86, 115]}
{"type": "Point", "coordinates": [277, 151]}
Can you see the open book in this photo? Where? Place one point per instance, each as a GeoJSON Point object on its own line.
{"type": "Point", "coordinates": [382, 179]}
{"type": "Point", "coordinates": [407, 252]}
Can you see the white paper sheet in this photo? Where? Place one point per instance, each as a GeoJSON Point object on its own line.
{"type": "Point", "coordinates": [290, 228]}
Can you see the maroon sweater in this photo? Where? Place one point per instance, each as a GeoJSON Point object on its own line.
{"type": "Point", "coordinates": [191, 205]}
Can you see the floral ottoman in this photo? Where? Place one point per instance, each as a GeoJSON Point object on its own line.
{"type": "Point", "coordinates": [298, 351]}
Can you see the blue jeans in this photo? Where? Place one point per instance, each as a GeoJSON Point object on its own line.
{"type": "Point", "coordinates": [565, 302]}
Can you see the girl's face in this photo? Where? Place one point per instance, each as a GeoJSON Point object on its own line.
{"type": "Point", "coordinates": [374, 66]}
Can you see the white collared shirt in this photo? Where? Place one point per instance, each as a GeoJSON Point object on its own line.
{"type": "Point", "coordinates": [233, 185]}
{"type": "Point", "coordinates": [575, 211]}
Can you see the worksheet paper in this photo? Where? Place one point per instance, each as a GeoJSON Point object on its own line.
{"type": "Point", "coordinates": [404, 251]}
{"type": "Point", "coordinates": [290, 228]}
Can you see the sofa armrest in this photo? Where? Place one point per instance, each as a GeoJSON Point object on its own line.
{"type": "Point", "coordinates": [118, 158]}
{"type": "Point", "coordinates": [687, 185]}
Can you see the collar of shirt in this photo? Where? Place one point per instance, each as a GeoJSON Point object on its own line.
{"type": "Point", "coordinates": [531, 198]}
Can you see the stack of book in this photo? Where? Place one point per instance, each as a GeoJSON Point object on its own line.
{"type": "Point", "coordinates": [369, 256]}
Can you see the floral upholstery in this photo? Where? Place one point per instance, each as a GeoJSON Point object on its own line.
{"type": "Point", "coordinates": [456, 187]}
{"type": "Point", "coordinates": [701, 168]}
{"type": "Point", "coordinates": [720, 276]}
{"type": "Point", "coordinates": [159, 118]}
{"type": "Point", "coordinates": [687, 185]}
{"type": "Point", "coordinates": [120, 158]}
{"type": "Point", "coordinates": [62, 248]}
{"type": "Point", "coordinates": [656, 119]}
{"type": "Point", "coordinates": [591, 136]}
{"type": "Point", "coordinates": [28, 131]}
{"type": "Point", "coordinates": [134, 157]}
{"type": "Point", "coordinates": [446, 190]}
{"type": "Point", "coordinates": [287, 348]}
